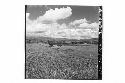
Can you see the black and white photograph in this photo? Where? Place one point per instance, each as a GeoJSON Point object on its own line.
{"type": "Point", "coordinates": [63, 42]}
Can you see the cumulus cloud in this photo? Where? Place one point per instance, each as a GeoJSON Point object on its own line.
{"type": "Point", "coordinates": [48, 20]}
{"type": "Point", "coordinates": [79, 21]}
{"type": "Point", "coordinates": [56, 14]}
{"type": "Point", "coordinates": [63, 26]}
{"type": "Point", "coordinates": [93, 26]}
{"type": "Point", "coordinates": [87, 28]}
{"type": "Point", "coordinates": [72, 33]}
{"type": "Point", "coordinates": [47, 25]}
{"type": "Point", "coordinates": [83, 23]}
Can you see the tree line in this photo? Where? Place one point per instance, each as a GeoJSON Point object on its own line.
{"type": "Point", "coordinates": [63, 42]}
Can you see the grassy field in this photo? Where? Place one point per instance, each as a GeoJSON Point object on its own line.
{"type": "Point", "coordinates": [65, 62]}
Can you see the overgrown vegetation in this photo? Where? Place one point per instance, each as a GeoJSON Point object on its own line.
{"type": "Point", "coordinates": [65, 62]}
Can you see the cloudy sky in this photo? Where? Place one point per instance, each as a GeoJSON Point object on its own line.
{"type": "Point", "coordinates": [72, 22]}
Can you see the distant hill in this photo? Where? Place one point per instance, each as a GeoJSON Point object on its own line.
{"type": "Point", "coordinates": [34, 39]}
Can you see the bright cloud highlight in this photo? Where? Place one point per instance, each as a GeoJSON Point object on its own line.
{"type": "Point", "coordinates": [56, 14]}
{"type": "Point", "coordinates": [48, 26]}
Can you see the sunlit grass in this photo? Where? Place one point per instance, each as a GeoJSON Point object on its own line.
{"type": "Point", "coordinates": [66, 62]}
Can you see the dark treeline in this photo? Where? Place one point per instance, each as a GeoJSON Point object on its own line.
{"type": "Point", "coordinates": [60, 42]}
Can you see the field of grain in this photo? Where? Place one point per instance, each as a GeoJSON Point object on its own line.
{"type": "Point", "coordinates": [65, 62]}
